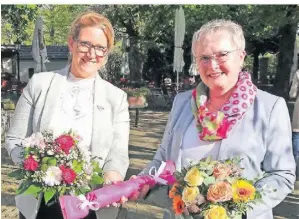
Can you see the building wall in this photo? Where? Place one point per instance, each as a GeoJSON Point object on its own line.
{"type": "Point", "coordinates": [50, 66]}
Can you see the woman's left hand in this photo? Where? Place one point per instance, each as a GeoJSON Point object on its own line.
{"type": "Point", "coordinates": [112, 177]}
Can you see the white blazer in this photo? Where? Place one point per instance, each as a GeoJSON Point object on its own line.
{"type": "Point", "coordinates": [34, 111]}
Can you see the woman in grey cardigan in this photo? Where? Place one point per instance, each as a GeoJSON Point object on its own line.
{"type": "Point", "coordinates": [76, 97]}
{"type": "Point", "coordinates": [255, 127]}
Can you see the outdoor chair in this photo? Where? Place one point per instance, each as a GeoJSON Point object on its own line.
{"type": "Point", "coordinates": [156, 98]}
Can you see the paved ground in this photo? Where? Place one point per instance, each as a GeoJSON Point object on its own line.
{"type": "Point", "coordinates": [144, 141]}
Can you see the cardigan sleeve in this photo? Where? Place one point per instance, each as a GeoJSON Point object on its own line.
{"type": "Point", "coordinates": [21, 124]}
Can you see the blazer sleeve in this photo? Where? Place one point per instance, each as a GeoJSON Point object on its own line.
{"type": "Point", "coordinates": [21, 124]}
{"type": "Point", "coordinates": [161, 152]}
{"type": "Point", "coordinates": [118, 156]}
{"type": "Point", "coordinates": [279, 164]}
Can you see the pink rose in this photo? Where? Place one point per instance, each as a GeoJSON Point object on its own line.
{"type": "Point", "coordinates": [222, 171]}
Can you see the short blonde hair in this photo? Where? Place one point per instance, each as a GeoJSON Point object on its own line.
{"type": "Point", "coordinates": [93, 19]}
{"type": "Point", "coordinates": [211, 27]}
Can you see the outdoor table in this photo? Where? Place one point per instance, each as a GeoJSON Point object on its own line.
{"type": "Point", "coordinates": [137, 107]}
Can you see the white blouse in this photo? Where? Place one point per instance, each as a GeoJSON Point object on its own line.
{"type": "Point", "coordinates": [194, 149]}
{"type": "Point", "coordinates": [75, 109]}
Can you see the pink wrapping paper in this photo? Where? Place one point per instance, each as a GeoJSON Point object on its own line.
{"type": "Point", "coordinates": [74, 207]}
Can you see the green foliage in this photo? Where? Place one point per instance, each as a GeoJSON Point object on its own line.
{"type": "Point", "coordinates": [96, 179]}
{"type": "Point", "coordinates": [136, 92]}
{"type": "Point", "coordinates": [77, 166]}
{"type": "Point", "coordinates": [96, 167]}
{"type": "Point", "coordinates": [23, 187]}
{"type": "Point", "coordinates": [49, 193]}
{"type": "Point", "coordinates": [17, 174]}
{"type": "Point", "coordinates": [18, 22]}
{"type": "Point", "coordinates": [32, 190]}
{"type": "Point", "coordinates": [15, 20]}
{"type": "Point", "coordinates": [209, 180]}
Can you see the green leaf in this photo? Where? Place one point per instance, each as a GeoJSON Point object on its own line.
{"type": "Point", "coordinates": [23, 187]}
{"type": "Point", "coordinates": [49, 193]}
{"type": "Point", "coordinates": [18, 174]}
{"type": "Point", "coordinates": [96, 179]}
{"type": "Point", "coordinates": [209, 180]}
{"type": "Point", "coordinates": [77, 166]}
{"type": "Point", "coordinates": [85, 189]}
{"type": "Point", "coordinates": [33, 190]}
{"type": "Point", "coordinates": [95, 166]}
{"type": "Point", "coordinates": [62, 191]}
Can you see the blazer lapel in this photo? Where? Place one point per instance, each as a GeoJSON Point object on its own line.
{"type": "Point", "coordinates": [179, 129]}
{"type": "Point", "coordinates": [53, 93]}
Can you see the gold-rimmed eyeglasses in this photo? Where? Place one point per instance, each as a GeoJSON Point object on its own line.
{"type": "Point", "coordinates": [85, 47]}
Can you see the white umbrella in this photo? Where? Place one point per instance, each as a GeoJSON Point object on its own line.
{"type": "Point", "coordinates": [39, 50]}
{"type": "Point", "coordinates": [193, 71]}
{"type": "Point", "coordinates": [125, 69]}
{"type": "Point", "coordinates": [179, 33]}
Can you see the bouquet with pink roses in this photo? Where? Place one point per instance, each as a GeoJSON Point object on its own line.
{"type": "Point", "coordinates": [56, 166]}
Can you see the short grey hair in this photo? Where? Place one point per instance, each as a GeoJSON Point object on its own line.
{"type": "Point", "coordinates": [211, 27]}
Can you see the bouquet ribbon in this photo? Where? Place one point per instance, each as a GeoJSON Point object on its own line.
{"type": "Point", "coordinates": [77, 207]}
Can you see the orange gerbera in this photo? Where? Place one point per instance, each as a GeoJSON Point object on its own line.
{"type": "Point", "coordinates": [173, 191]}
{"type": "Point", "coordinates": [178, 205]}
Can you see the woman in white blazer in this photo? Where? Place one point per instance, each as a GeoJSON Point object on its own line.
{"type": "Point", "coordinates": [255, 125]}
{"type": "Point", "coordinates": [76, 97]}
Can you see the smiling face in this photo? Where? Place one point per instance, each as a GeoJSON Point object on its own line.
{"type": "Point", "coordinates": [86, 64]}
{"type": "Point", "coordinates": [220, 76]}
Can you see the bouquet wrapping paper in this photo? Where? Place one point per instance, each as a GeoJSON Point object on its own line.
{"type": "Point", "coordinates": [76, 207]}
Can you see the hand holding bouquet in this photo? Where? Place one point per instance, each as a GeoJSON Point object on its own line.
{"type": "Point", "coordinates": [56, 166]}
{"type": "Point", "coordinates": [76, 207]}
{"type": "Point", "coordinates": [214, 189]}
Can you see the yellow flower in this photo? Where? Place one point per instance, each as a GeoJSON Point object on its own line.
{"type": "Point", "coordinates": [190, 194]}
{"type": "Point", "coordinates": [215, 212]}
{"type": "Point", "coordinates": [243, 191]}
{"type": "Point", "coordinates": [194, 177]}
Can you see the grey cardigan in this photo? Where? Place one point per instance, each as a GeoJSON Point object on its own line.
{"type": "Point", "coordinates": [262, 138]}
{"type": "Point", "coordinates": [110, 129]}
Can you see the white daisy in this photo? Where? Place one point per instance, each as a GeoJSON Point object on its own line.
{"type": "Point", "coordinates": [53, 176]}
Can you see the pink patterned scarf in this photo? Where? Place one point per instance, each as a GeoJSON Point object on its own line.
{"type": "Point", "coordinates": [217, 125]}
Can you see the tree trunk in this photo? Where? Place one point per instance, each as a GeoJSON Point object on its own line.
{"type": "Point", "coordinates": [285, 59]}
{"type": "Point", "coordinates": [136, 59]}
{"type": "Point", "coordinates": [255, 65]}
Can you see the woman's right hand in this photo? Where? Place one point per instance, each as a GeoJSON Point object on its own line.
{"type": "Point", "coordinates": [140, 194]}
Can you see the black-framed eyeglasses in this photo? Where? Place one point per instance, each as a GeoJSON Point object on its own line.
{"type": "Point", "coordinates": [85, 47]}
{"type": "Point", "coordinates": [219, 57]}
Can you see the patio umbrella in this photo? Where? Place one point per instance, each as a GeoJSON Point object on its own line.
{"type": "Point", "coordinates": [39, 50]}
{"type": "Point", "coordinates": [193, 67]}
{"type": "Point", "coordinates": [125, 70]}
{"type": "Point", "coordinates": [179, 33]}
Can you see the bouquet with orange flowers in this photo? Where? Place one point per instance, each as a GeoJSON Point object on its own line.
{"type": "Point", "coordinates": [214, 190]}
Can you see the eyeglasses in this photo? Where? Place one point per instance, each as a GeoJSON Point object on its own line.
{"type": "Point", "coordinates": [219, 57]}
{"type": "Point", "coordinates": [85, 47]}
